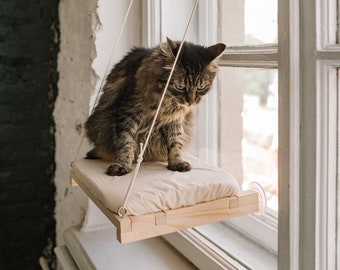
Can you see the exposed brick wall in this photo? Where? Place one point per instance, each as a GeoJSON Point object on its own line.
{"type": "Point", "coordinates": [28, 88]}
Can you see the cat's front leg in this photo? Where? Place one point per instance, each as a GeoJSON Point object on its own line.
{"type": "Point", "coordinates": [124, 155]}
{"type": "Point", "coordinates": [173, 135]}
{"type": "Point", "coordinates": [175, 162]}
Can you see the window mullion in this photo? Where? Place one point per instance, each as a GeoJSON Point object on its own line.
{"type": "Point", "coordinates": [326, 164]}
{"type": "Point", "coordinates": [326, 23]}
{"type": "Point", "coordinates": [250, 57]}
{"type": "Point", "coordinates": [151, 21]}
{"type": "Point", "coordinates": [207, 113]}
{"type": "Point", "coordinates": [289, 134]}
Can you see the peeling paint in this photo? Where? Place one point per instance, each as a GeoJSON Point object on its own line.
{"type": "Point", "coordinates": [66, 192]}
{"type": "Point", "coordinates": [77, 23]}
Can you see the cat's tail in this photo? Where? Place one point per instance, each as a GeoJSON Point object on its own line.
{"type": "Point", "coordinates": [92, 154]}
{"type": "Point", "coordinates": [96, 153]}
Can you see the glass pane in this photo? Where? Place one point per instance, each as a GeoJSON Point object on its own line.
{"type": "Point", "coordinates": [248, 22]}
{"type": "Point", "coordinates": [249, 127]}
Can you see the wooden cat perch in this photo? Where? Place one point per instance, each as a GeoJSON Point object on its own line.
{"type": "Point", "coordinates": [164, 201]}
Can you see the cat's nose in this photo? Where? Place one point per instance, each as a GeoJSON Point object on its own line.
{"type": "Point", "coordinates": [190, 102]}
{"type": "Point", "coordinates": [191, 98]}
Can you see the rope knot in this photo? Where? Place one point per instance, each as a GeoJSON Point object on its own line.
{"type": "Point", "coordinates": [140, 156]}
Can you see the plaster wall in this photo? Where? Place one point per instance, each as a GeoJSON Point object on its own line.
{"type": "Point", "coordinates": [88, 30]}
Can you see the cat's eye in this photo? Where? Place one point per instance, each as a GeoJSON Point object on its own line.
{"type": "Point", "coordinates": [180, 87]}
{"type": "Point", "coordinates": [201, 87]}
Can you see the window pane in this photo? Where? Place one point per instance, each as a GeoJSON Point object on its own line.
{"type": "Point", "coordinates": [249, 127]}
{"type": "Point", "coordinates": [248, 22]}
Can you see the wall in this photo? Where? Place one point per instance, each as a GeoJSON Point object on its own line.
{"type": "Point", "coordinates": [78, 21]}
{"type": "Point", "coordinates": [28, 88]}
{"type": "Point", "coordinates": [87, 36]}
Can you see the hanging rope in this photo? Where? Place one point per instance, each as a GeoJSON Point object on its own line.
{"type": "Point", "coordinates": [122, 211]}
{"type": "Point", "coordinates": [113, 51]}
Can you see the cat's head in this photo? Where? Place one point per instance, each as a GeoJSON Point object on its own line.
{"type": "Point", "coordinates": [194, 72]}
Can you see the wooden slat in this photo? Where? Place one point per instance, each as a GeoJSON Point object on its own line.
{"type": "Point", "coordinates": [73, 182]}
{"type": "Point", "coordinates": [187, 217]}
{"type": "Point", "coordinates": [160, 218]}
{"type": "Point", "coordinates": [133, 228]}
{"type": "Point", "coordinates": [244, 198]}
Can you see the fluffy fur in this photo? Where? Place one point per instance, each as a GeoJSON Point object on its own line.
{"type": "Point", "coordinates": [131, 96]}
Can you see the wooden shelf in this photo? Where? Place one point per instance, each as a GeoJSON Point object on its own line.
{"type": "Point", "coordinates": [134, 228]}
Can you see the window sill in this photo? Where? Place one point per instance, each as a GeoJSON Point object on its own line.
{"type": "Point", "coordinates": [225, 249]}
{"type": "Point", "coordinates": [100, 250]}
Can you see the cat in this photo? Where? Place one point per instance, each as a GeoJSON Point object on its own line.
{"type": "Point", "coordinates": [131, 94]}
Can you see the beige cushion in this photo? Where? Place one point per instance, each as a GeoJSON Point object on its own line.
{"type": "Point", "coordinates": [156, 188]}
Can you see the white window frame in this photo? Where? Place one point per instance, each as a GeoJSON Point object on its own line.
{"type": "Point", "coordinates": [247, 58]}
{"type": "Point", "coordinates": [307, 59]}
{"type": "Point", "coordinates": [318, 173]}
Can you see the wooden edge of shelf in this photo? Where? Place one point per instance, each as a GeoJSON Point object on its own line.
{"type": "Point", "coordinates": [122, 224]}
{"type": "Point", "coordinates": [73, 181]}
{"type": "Point", "coordinates": [146, 226]}
{"type": "Point", "coordinates": [133, 228]}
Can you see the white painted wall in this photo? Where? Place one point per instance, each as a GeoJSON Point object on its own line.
{"type": "Point", "coordinates": [86, 38]}
{"type": "Point", "coordinates": [111, 14]}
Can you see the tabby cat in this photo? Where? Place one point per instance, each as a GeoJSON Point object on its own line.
{"type": "Point", "coordinates": [131, 96]}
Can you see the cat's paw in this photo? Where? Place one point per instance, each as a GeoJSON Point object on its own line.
{"type": "Point", "coordinates": [180, 166]}
{"type": "Point", "coordinates": [118, 169]}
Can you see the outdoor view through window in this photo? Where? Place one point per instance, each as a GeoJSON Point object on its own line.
{"type": "Point", "coordinates": [253, 93]}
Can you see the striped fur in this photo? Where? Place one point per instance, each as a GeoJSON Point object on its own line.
{"type": "Point", "coordinates": [130, 98]}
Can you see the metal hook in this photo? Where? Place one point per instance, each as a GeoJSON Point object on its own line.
{"type": "Point", "coordinates": [122, 211]}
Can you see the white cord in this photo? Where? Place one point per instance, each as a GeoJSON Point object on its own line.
{"type": "Point", "coordinates": [123, 210]}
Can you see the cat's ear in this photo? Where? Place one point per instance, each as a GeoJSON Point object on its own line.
{"type": "Point", "coordinates": [173, 46]}
{"type": "Point", "coordinates": [169, 48]}
{"type": "Point", "coordinates": [215, 51]}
